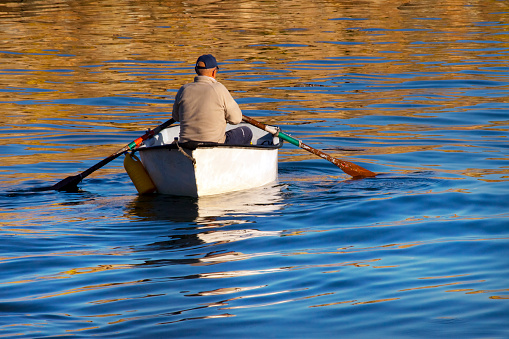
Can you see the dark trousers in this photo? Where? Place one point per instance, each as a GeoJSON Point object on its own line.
{"type": "Point", "coordinates": [239, 136]}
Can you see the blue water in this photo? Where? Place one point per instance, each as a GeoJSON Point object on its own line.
{"type": "Point", "coordinates": [417, 95]}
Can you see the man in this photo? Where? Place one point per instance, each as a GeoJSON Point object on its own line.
{"type": "Point", "coordinates": [204, 106]}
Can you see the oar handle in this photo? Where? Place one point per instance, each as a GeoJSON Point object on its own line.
{"type": "Point", "coordinates": [150, 133]}
{"type": "Point", "coordinates": [255, 123]}
{"type": "Point", "coordinates": [129, 147]}
{"type": "Point", "coordinates": [271, 129]}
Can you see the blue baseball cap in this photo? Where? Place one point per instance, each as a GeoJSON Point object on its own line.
{"type": "Point", "coordinates": [208, 60]}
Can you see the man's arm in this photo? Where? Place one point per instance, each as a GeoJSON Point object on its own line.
{"type": "Point", "coordinates": [176, 105]}
{"type": "Point", "coordinates": [233, 113]}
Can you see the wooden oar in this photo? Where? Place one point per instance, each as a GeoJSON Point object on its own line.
{"type": "Point", "coordinates": [70, 183]}
{"type": "Point", "coordinates": [349, 168]}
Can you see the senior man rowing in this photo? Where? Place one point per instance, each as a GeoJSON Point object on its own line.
{"type": "Point", "coordinates": [204, 106]}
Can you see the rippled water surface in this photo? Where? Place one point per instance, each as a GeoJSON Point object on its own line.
{"type": "Point", "coordinates": [416, 91]}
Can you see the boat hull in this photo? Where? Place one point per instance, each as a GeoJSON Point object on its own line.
{"type": "Point", "coordinates": [210, 168]}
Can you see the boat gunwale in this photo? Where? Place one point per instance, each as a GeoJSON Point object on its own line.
{"type": "Point", "coordinates": [193, 145]}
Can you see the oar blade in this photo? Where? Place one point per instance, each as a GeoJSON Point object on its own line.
{"type": "Point", "coordinates": [356, 171]}
{"type": "Point", "coordinates": [69, 184]}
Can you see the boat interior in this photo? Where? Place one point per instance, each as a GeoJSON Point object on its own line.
{"type": "Point", "coordinates": [260, 138]}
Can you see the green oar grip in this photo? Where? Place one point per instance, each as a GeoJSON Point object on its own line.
{"type": "Point", "coordinates": [289, 139]}
{"type": "Point", "coordinates": [132, 145]}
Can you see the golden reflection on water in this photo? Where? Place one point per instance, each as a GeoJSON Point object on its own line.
{"type": "Point", "coordinates": [90, 46]}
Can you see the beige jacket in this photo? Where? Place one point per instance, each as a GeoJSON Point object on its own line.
{"type": "Point", "coordinates": [203, 108]}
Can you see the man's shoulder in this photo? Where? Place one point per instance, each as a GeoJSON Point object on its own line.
{"type": "Point", "coordinates": [201, 81]}
{"type": "Point", "coordinates": [219, 85]}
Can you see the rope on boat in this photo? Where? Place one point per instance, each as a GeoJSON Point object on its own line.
{"type": "Point", "coordinates": [181, 150]}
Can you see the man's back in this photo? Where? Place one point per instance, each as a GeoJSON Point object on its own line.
{"type": "Point", "coordinates": [204, 107]}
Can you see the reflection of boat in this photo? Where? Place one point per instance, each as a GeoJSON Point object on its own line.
{"type": "Point", "coordinates": [204, 210]}
{"type": "Point", "coordinates": [264, 199]}
{"type": "Point", "coordinates": [200, 169]}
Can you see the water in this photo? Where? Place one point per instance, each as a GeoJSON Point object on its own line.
{"type": "Point", "coordinates": [415, 91]}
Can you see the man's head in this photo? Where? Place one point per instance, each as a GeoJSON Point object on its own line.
{"type": "Point", "coordinates": [206, 65]}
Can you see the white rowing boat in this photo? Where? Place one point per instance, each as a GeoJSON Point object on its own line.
{"type": "Point", "coordinates": [200, 169]}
